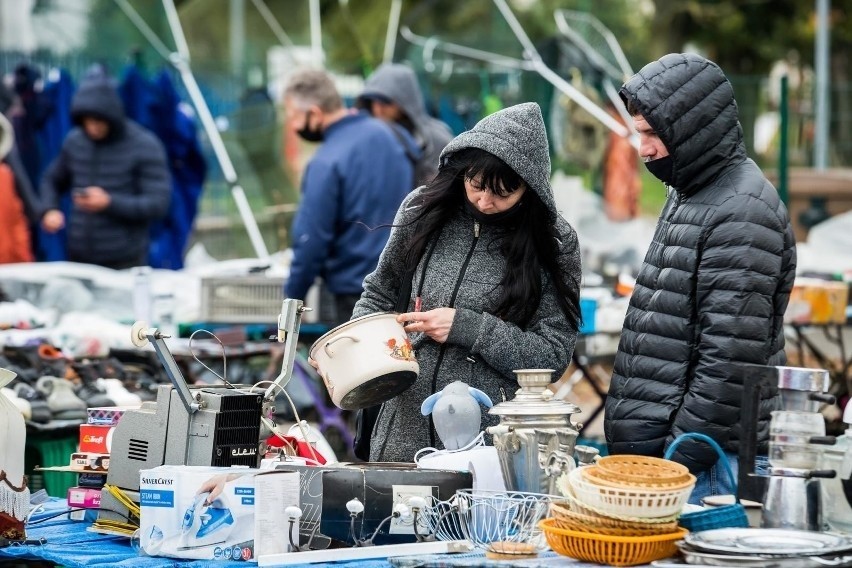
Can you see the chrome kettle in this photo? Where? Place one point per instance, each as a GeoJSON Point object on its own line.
{"type": "Point", "coordinates": [535, 437]}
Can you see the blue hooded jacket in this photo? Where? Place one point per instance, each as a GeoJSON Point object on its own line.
{"type": "Point", "coordinates": [351, 190]}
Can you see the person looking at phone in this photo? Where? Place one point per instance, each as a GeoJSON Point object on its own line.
{"type": "Point", "coordinates": [119, 180]}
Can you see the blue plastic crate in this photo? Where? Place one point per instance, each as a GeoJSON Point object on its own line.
{"type": "Point", "coordinates": [588, 307]}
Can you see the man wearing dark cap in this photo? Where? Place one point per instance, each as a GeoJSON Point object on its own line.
{"type": "Point", "coordinates": [118, 176]}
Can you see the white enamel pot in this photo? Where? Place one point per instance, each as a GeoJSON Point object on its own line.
{"type": "Point", "coordinates": [366, 361]}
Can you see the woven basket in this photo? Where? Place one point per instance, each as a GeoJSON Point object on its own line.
{"type": "Point", "coordinates": [635, 502]}
{"type": "Point", "coordinates": [603, 478]}
{"type": "Point", "coordinates": [610, 550]}
{"type": "Point", "coordinates": [565, 518]}
{"type": "Point", "coordinates": [642, 469]}
{"type": "Point", "coordinates": [573, 504]}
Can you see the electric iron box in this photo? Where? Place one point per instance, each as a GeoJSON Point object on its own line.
{"type": "Point", "coordinates": [216, 513]}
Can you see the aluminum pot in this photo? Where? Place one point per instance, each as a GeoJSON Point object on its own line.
{"type": "Point", "coordinates": [802, 389]}
{"type": "Point", "coordinates": [365, 361]}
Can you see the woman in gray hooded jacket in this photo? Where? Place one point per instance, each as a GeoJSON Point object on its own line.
{"type": "Point", "coordinates": [494, 271]}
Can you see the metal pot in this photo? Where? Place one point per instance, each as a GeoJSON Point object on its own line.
{"type": "Point", "coordinates": [803, 389]}
{"type": "Point", "coordinates": [793, 499]}
{"type": "Point", "coordinates": [535, 438]}
{"type": "Point", "coordinates": [365, 361]}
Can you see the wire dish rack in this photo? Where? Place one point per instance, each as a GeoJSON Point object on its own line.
{"type": "Point", "coordinates": [504, 522]}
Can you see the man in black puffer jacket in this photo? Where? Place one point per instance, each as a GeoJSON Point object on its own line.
{"type": "Point", "coordinates": [716, 279]}
{"type": "Point", "coordinates": [118, 176]}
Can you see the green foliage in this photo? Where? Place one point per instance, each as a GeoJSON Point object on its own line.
{"type": "Point", "coordinates": [112, 37]}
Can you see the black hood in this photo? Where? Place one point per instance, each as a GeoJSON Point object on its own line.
{"type": "Point", "coordinates": [690, 103]}
{"type": "Point", "coordinates": [99, 98]}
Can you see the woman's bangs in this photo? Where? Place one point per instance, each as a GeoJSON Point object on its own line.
{"type": "Point", "coordinates": [494, 174]}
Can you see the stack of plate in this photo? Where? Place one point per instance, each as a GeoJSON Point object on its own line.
{"type": "Point", "coordinates": [779, 548]}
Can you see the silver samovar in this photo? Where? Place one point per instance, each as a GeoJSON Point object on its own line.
{"type": "Point", "coordinates": [535, 438]}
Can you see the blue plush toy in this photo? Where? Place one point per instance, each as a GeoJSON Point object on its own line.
{"type": "Point", "coordinates": [456, 414]}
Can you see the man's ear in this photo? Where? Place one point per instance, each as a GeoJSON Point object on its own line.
{"type": "Point", "coordinates": [316, 117]}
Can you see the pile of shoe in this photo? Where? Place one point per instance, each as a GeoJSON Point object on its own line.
{"type": "Point", "coordinates": [51, 386]}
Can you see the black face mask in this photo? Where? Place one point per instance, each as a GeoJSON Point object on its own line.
{"type": "Point", "coordinates": [662, 168]}
{"type": "Point", "coordinates": [309, 134]}
{"type": "Point", "coordinates": [501, 218]}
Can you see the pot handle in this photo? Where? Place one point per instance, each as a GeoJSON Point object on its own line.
{"type": "Point", "coordinates": [335, 340]}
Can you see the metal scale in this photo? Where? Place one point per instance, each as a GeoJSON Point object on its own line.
{"type": "Point", "coordinates": [213, 425]}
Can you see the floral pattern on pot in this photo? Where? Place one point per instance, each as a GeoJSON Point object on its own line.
{"type": "Point", "coordinates": [403, 351]}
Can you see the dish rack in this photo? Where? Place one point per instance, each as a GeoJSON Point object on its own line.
{"type": "Point", "coordinates": [494, 521]}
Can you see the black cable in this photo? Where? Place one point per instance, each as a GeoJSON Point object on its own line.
{"type": "Point", "coordinates": [66, 511]}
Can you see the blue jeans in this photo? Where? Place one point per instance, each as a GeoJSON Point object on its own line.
{"type": "Point", "coordinates": [715, 481]}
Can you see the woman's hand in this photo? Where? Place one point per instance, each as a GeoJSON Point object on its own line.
{"type": "Point", "coordinates": [434, 323]}
{"type": "Point", "coordinates": [215, 485]}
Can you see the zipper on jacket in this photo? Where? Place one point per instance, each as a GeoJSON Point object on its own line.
{"type": "Point", "coordinates": [444, 345]}
{"type": "Point", "coordinates": [674, 206]}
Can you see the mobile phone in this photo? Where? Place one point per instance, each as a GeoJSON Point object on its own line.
{"type": "Point", "coordinates": [79, 191]}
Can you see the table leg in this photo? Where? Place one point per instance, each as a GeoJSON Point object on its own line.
{"type": "Point", "coordinates": [582, 363]}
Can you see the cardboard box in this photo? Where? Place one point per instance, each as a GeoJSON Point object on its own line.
{"type": "Point", "coordinates": [105, 415]}
{"type": "Point", "coordinates": [378, 486]}
{"type": "Point", "coordinates": [85, 497]}
{"type": "Point", "coordinates": [244, 520]}
{"type": "Point", "coordinates": [310, 501]}
{"type": "Point", "coordinates": [86, 461]}
{"type": "Point", "coordinates": [96, 439]}
{"type": "Point", "coordinates": [814, 301]}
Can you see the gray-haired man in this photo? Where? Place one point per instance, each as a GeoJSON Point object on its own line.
{"type": "Point", "coordinates": [351, 189]}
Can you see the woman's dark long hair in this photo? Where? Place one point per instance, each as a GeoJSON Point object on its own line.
{"type": "Point", "coordinates": [530, 244]}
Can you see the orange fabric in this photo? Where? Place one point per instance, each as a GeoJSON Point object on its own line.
{"type": "Point", "coordinates": [622, 184]}
{"type": "Point", "coordinates": [15, 243]}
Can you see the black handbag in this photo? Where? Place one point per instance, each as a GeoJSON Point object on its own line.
{"type": "Point", "coordinates": [365, 419]}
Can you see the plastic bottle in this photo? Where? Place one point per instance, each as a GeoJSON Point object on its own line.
{"type": "Point", "coordinates": [142, 293]}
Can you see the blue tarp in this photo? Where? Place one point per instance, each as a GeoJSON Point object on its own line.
{"type": "Point", "coordinates": [70, 544]}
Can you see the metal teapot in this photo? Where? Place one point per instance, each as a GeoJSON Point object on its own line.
{"type": "Point", "coordinates": [535, 438]}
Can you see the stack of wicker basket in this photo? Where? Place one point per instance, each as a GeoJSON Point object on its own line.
{"type": "Point", "coordinates": [621, 511]}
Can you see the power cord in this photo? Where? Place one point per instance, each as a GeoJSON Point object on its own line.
{"type": "Point", "coordinates": [71, 510]}
{"type": "Point", "coordinates": [299, 422]}
{"type": "Point", "coordinates": [224, 356]}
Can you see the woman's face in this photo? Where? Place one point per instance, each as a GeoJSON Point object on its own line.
{"type": "Point", "coordinates": [488, 202]}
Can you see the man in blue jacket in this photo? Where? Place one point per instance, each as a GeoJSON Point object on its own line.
{"type": "Point", "coordinates": [351, 190]}
{"type": "Point", "coordinates": [118, 176]}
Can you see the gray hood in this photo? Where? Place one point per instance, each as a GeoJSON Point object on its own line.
{"type": "Point", "coordinates": [517, 136]}
{"type": "Point", "coordinates": [398, 83]}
